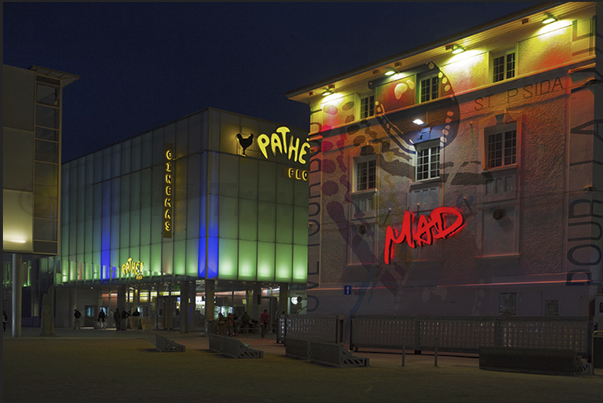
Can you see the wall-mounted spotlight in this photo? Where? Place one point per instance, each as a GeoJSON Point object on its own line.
{"type": "Point", "coordinates": [327, 92]}
{"type": "Point", "coordinates": [390, 72]}
{"type": "Point", "coordinates": [456, 49]}
{"type": "Point", "coordinates": [418, 122]}
{"type": "Point", "coordinates": [548, 19]}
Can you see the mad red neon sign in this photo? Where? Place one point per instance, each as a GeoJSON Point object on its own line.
{"type": "Point", "coordinates": [427, 230]}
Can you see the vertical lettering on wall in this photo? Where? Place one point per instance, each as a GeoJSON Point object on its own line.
{"type": "Point", "coordinates": [168, 191]}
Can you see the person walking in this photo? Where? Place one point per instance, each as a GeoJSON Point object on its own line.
{"type": "Point", "coordinates": [117, 318]}
{"type": "Point", "coordinates": [124, 318]}
{"type": "Point", "coordinates": [264, 321]}
{"type": "Point", "coordinates": [101, 319]}
{"type": "Point", "coordinates": [76, 323]}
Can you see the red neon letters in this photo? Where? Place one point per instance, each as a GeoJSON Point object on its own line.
{"type": "Point", "coordinates": [426, 231]}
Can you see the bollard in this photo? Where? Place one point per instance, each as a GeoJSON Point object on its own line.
{"type": "Point", "coordinates": [435, 357]}
{"type": "Point", "coordinates": [403, 350]}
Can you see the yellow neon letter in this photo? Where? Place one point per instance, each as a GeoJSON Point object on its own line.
{"type": "Point", "coordinates": [304, 150]}
{"type": "Point", "coordinates": [275, 141]}
{"type": "Point", "coordinates": [293, 148]}
{"type": "Point", "coordinates": [263, 141]}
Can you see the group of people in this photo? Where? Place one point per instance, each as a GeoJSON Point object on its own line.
{"type": "Point", "coordinates": [232, 324]}
{"type": "Point", "coordinates": [121, 319]}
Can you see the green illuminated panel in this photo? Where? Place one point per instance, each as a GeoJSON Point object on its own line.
{"type": "Point", "coordinates": [228, 259]}
{"type": "Point", "coordinates": [249, 179]}
{"type": "Point", "coordinates": [247, 260]}
{"type": "Point", "coordinates": [155, 260]}
{"type": "Point", "coordinates": [192, 257]}
{"type": "Point", "coordinates": [72, 270]}
{"type": "Point", "coordinates": [167, 259]}
{"type": "Point", "coordinates": [229, 218]}
{"type": "Point", "coordinates": [300, 225]}
{"type": "Point", "coordinates": [266, 221]}
{"type": "Point", "coordinates": [284, 223]}
{"type": "Point", "coordinates": [180, 258]}
{"type": "Point", "coordinates": [145, 258]}
{"type": "Point", "coordinates": [265, 261]}
{"type": "Point", "coordinates": [284, 259]}
{"type": "Point", "coordinates": [300, 263]}
{"type": "Point", "coordinates": [248, 219]}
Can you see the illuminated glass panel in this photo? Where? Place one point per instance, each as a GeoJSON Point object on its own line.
{"type": "Point", "coordinates": [228, 259]}
{"type": "Point", "coordinates": [155, 260]}
{"type": "Point", "coordinates": [248, 219]}
{"type": "Point", "coordinates": [284, 269]}
{"type": "Point", "coordinates": [300, 263]}
{"type": "Point", "coordinates": [167, 264]}
{"type": "Point", "coordinates": [247, 260]}
{"type": "Point", "coordinates": [157, 204]}
{"type": "Point", "coordinates": [266, 261]}
{"type": "Point", "coordinates": [284, 223]}
{"type": "Point", "coordinates": [72, 270]}
{"type": "Point", "coordinates": [212, 257]}
{"type": "Point", "coordinates": [115, 264]}
{"type": "Point", "coordinates": [64, 271]}
{"type": "Point", "coordinates": [202, 256]}
{"type": "Point", "coordinates": [229, 218]}
{"type": "Point", "coordinates": [249, 179]}
{"type": "Point", "coordinates": [229, 175]}
{"type": "Point", "coordinates": [180, 257]}
{"type": "Point", "coordinates": [300, 225]}
{"type": "Point", "coordinates": [266, 221]}
{"type": "Point", "coordinates": [145, 257]}
{"type": "Point", "coordinates": [213, 228]}
{"type": "Point", "coordinates": [266, 181]}
{"type": "Point", "coordinates": [192, 257]}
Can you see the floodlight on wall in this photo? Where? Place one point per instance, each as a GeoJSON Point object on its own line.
{"type": "Point", "coordinates": [456, 49]}
{"type": "Point", "coordinates": [549, 18]}
{"type": "Point", "coordinates": [390, 72]}
{"type": "Point", "coordinates": [327, 92]}
{"type": "Point", "coordinates": [418, 122]}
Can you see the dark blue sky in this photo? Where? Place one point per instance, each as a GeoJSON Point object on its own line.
{"type": "Point", "coordinates": [142, 65]}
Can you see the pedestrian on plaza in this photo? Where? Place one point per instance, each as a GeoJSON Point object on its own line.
{"type": "Point", "coordinates": [124, 318]}
{"type": "Point", "coordinates": [4, 319]}
{"type": "Point", "coordinates": [117, 317]}
{"type": "Point", "coordinates": [101, 319]}
{"type": "Point", "coordinates": [230, 324]}
{"type": "Point", "coordinates": [76, 323]}
{"type": "Point", "coordinates": [264, 321]}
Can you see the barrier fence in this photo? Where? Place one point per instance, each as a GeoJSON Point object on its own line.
{"type": "Point", "coordinates": [328, 329]}
{"type": "Point", "coordinates": [467, 334]}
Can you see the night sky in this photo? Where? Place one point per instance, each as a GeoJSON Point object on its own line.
{"type": "Point", "coordinates": [142, 65]}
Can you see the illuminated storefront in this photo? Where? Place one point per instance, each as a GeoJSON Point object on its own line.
{"type": "Point", "coordinates": [197, 209]}
{"type": "Point", "coordinates": [463, 177]}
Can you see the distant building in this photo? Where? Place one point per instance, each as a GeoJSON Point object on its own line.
{"type": "Point", "coordinates": [463, 177]}
{"type": "Point", "coordinates": [31, 170]}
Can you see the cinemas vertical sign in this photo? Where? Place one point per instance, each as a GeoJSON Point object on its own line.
{"type": "Point", "coordinates": [168, 191]}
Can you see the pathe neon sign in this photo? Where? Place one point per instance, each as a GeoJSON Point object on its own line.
{"type": "Point", "coordinates": [427, 230]}
{"type": "Point", "coordinates": [132, 267]}
{"type": "Point", "coordinates": [278, 141]}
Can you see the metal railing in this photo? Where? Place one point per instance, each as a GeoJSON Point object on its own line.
{"type": "Point", "coordinates": [467, 334]}
{"type": "Point", "coordinates": [328, 329]}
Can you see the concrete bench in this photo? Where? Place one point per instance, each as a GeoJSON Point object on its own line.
{"type": "Point", "coordinates": [164, 344]}
{"type": "Point", "coordinates": [532, 360]}
{"type": "Point", "coordinates": [232, 347]}
{"type": "Point", "coordinates": [297, 348]}
{"type": "Point", "coordinates": [335, 355]}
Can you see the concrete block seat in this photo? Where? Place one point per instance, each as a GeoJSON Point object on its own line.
{"type": "Point", "coordinates": [232, 347]}
{"type": "Point", "coordinates": [532, 360]}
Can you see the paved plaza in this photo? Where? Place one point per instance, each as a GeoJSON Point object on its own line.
{"type": "Point", "coordinates": [90, 365]}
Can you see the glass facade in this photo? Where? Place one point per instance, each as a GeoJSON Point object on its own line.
{"type": "Point", "coordinates": [233, 216]}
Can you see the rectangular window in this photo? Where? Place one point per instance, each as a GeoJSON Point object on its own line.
{"type": "Point", "coordinates": [366, 175]}
{"type": "Point", "coordinates": [430, 88]}
{"type": "Point", "coordinates": [367, 106]}
{"type": "Point", "coordinates": [502, 148]}
{"type": "Point", "coordinates": [428, 163]}
{"type": "Point", "coordinates": [503, 67]}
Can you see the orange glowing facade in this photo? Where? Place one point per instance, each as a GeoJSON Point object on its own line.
{"type": "Point", "coordinates": [501, 124]}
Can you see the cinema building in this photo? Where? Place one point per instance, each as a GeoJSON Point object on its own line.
{"type": "Point", "coordinates": [205, 214]}
{"type": "Point", "coordinates": [463, 177]}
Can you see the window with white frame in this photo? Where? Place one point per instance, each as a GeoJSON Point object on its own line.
{"type": "Point", "coordinates": [429, 88]}
{"type": "Point", "coordinates": [428, 161]}
{"type": "Point", "coordinates": [503, 66]}
{"type": "Point", "coordinates": [367, 106]}
{"type": "Point", "coordinates": [366, 174]}
{"type": "Point", "coordinates": [501, 146]}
